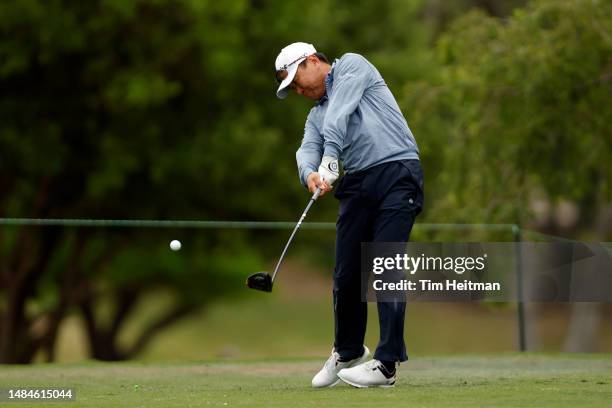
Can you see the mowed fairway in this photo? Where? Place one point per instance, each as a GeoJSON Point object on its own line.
{"type": "Point", "coordinates": [504, 380]}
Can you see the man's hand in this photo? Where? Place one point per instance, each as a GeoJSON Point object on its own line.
{"type": "Point", "coordinates": [325, 177]}
{"type": "Point", "coordinates": [314, 181]}
{"type": "Point", "coordinates": [328, 170]}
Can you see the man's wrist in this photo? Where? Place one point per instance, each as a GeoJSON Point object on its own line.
{"type": "Point", "coordinates": [331, 150]}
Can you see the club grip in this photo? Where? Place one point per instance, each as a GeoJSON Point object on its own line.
{"type": "Point", "coordinates": [316, 194]}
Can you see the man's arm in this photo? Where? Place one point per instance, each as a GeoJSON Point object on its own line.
{"type": "Point", "coordinates": [309, 154]}
{"type": "Point", "coordinates": [350, 82]}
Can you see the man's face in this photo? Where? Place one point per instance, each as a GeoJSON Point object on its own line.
{"type": "Point", "coordinates": [309, 80]}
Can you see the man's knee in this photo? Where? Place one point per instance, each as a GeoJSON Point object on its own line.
{"type": "Point", "coordinates": [347, 283]}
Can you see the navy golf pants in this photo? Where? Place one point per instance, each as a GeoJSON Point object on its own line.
{"type": "Point", "coordinates": [379, 204]}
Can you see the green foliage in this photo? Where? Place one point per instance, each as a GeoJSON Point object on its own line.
{"type": "Point", "coordinates": [518, 106]}
{"type": "Point", "coordinates": [167, 108]}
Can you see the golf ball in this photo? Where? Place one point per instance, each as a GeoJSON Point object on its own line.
{"type": "Point", "coordinates": [175, 245]}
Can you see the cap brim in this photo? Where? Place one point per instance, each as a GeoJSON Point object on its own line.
{"type": "Point", "coordinates": [283, 88]}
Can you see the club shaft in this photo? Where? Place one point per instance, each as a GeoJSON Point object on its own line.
{"type": "Point", "coordinates": [297, 227]}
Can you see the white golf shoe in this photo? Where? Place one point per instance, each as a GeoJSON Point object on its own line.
{"type": "Point", "coordinates": [328, 376]}
{"type": "Point", "coordinates": [370, 374]}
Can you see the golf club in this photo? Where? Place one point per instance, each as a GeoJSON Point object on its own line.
{"type": "Point", "coordinates": [262, 280]}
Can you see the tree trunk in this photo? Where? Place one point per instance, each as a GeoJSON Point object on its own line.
{"type": "Point", "coordinates": [585, 318]}
{"type": "Point", "coordinates": [582, 334]}
{"type": "Point", "coordinates": [17, 344]}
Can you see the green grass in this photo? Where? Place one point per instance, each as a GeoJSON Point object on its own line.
{"type": "Point", "coordinates": [534, 380]}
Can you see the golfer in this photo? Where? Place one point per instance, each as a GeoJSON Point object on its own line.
{"type": "Point", "coordinates": [356, 121]}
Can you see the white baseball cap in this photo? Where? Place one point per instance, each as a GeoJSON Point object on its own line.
{"type": "Point", "coordinates": [288, 60]}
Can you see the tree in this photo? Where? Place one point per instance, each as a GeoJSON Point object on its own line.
{"type": "Point", "coordinates": [519, 101]}
{"type": "Point", "coordinates": [104, 106]}
{"type": "Point", "coordinates": [520, 108]}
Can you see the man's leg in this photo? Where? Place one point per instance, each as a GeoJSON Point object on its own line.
{"type": "Point", "coordinates": [392, 226]}
{"type": "Point", "coordinates": [350, 313]}
{"type": "Point", "coordinates": [393, 222]}
{"type": "Point", "coordinates": [353, 227]}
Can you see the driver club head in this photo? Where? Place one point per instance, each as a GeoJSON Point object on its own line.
{"type": "Point", "coordinates": [260, 281]}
